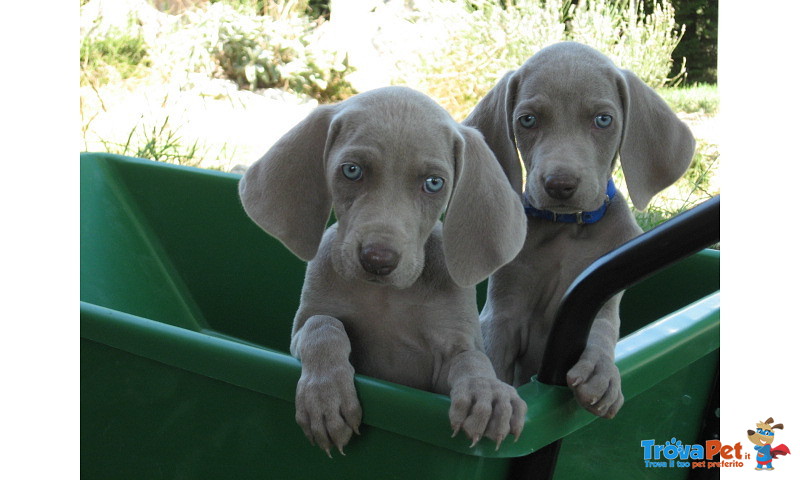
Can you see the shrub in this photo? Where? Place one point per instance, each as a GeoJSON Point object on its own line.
{"type": "Point", "coordinates": [259, 52]}
{"type": "Point", "coordinates": [471, 44]}
{"type": "Point", "coordinates": [465, 47]}
{"type": "Point", "coordinates": [635, 40]}
{"type": "Point", "coordinates": [699, 45]}
{"type": "Point", "coordinates": [230, 40]}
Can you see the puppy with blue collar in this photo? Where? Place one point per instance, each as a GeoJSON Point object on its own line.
{"type": "Point", "coordinates": [567, 115]}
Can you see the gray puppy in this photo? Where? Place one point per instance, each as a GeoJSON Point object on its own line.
{"type": "Point", "coordinates": [390, 289]}
{"type": "Point", "coordinates": [570, 112]}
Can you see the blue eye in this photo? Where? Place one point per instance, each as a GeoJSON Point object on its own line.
{"type": "Point", "coordinates": [351, 171]}
{"type": "Point", "coordinates": [433, 184]}
{"type": "Point", "coordinates": [603, 121]}
{"type": "Point", "coordinates": [527, 121]}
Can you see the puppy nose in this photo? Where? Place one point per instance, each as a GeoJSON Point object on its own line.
{"type": "Point", "coordinates": [378, 259]}
{"type": "Point", "coordinates": [750, 432]}
{"type": "Point", "coordinates": [560, 187]}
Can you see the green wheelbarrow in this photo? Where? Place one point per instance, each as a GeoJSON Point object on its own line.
{"type": "Point", "coordinates": [186, 312]}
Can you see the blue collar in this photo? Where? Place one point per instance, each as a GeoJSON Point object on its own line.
{"type": "Point", "coordinates": [579, 217]}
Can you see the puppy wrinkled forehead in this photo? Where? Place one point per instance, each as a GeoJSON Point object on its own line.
{"type": "Point", "coordinates": [572, 71]}
{"type": "Point", "coordinates": [395, 106]}
{"type": "Point", "coordinates": [571, 53]}
{"type": "Point", "coordinates": [568, 62]}
{"type": "Point", "coordinates": [394, 118]}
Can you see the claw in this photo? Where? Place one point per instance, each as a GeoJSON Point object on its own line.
{"type": "Point", "coordinates": [475, 440]}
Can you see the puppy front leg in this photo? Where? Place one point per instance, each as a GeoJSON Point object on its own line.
{"type": "Point", "coordinates": [502, 319]}
{"type": "Point", "coordinates": [482, 405]}
{"type": "Point", "coordinates": [501, 339]}
{"type": "Point", "coordinates": [595, 379]}
{"type": "Point", "coordinates": [327, 408]}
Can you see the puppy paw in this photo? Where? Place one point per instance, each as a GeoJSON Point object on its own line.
{"type": "Point", "coordinates": [595, 381]}
{"type": "Point", "coordinates": [327, 408]}
{"type": "Point", "coordinates": [486, 407]}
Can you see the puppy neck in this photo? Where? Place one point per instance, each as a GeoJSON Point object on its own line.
{"type": "Point", "coordinates": [581, 218]}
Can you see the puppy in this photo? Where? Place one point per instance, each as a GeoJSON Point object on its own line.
{"type": "Point", "coordinates": [389, 288]}
{"type": "Point", "coordinates": [570, 112]}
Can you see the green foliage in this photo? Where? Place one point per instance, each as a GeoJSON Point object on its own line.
{"type": "Point", "coordinates": [699, 44]}
{"type": "Point", "coordinates": [116, 54]}
{"type": "Point", "coordinates": [475, 42]}
{"type": "Point", "coordinates": [259, 52]}
{"type": "Point", "coordinates": [281, 9]}
{"type": "Point", "coordinates": [699, 98]}
{"type": "Point", "coordinates": [467, 46]}
{"type": "Point", "coordinates": [638, 40]}
{"type": "Point", "coordinates": [161, 142]}
{"type": "Point", "coordinates": [257, 44]}
{"type": "Point", "coordinates": [453, 50]}
{"type": "Point", "coordinates": [702, 171]}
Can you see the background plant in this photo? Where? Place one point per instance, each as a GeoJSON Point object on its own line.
{"type": "Point", "coordinates": [632, 37]}
{"type": "Point", "coordinates": [189, 59]}
{"type": "Point", "coordinates": [478, 41]}
{"type": "Point", "coordinates": [111, 55]}
{"type": "Point", "coordinates": [260, 52]}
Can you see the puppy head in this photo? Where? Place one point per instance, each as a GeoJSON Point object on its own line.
{"type": "Point", "coordinates": [389, 162]}
{"type": "Point", "coordinates": [390, 171]}
{"type": "Point", "coordinates": [569, 111]}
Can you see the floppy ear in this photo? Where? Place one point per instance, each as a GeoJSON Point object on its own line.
{"type": "Point", "coordinates": [492, 117]}
{"type": "Point", "coordinates": [285, 192]}
{"type": "Point", "coordinates": [656, 147]}
{"type": "Point", "coordinates": [485, 225]}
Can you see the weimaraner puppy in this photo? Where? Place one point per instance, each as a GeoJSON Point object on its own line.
{"type": "Point", "coordinates": [389, 290]}
{"type": "Point", "coordinates": [569, 112]}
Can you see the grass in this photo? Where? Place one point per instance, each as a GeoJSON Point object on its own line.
{"type": "Point", "coordinates": [162, 143]}
{"type": "Point", "coordinates": [700, 98]}
{"type": "Point", "coordinates": [116, 55]}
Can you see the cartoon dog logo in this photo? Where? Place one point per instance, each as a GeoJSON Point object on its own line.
{"type": "Point", "coordinates": [763, 438]}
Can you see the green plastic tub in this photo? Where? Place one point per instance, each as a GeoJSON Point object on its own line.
{"type": "Point", "coordinates": [186, 312]}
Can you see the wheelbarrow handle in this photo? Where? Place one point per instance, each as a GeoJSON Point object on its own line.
{"type": "Point", "coordinates": [623, 267]}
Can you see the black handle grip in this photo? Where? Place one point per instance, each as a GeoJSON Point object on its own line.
{"type": "Point", "coordinates": [630, 263]}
